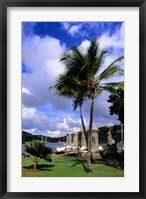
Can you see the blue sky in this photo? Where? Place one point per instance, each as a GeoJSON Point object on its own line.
{"type": "Point", "coordinates": [42, 46]}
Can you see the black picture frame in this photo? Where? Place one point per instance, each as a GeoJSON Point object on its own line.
{"type": "Point", "coordinates": [4, 4]}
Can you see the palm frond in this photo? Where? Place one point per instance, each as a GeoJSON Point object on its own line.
{"type": "Point", "coordinates": [93, 51]}
{"type": "Point", "coordinates": [112, 70]}
{"type": "Point", "coordinates": [38, 149]}
{"type": "Point", "coordinates": [99, 61]}
{"type": "Point", "coordinates": [119, 59]}
{"type": "Point", "coordinates": [75, 104]}
{"type": "Point", "coordinates": [78, 101]}
{"type": "Point", "coordinates": [77, 54]}
{"type": "Point", "coordinates": [69, 61]}
{"type": "Point", "coordinates": [110, 87]}
{"type": "Point", "coordinates": [73, 61]}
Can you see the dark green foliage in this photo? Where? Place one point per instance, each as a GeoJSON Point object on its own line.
{"type": "Point", "coordinates": [103, 134]}
{"type": "Point", "coordinates": [117, 100]}
{"type": "Point", "coordinates": [114, 159]}
{"type": "Point", "coordinates": [38, 150]}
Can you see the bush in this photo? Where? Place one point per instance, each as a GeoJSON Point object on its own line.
{"type": "Point", "coordinates": [114, 159]}
{"type": "Point", "coordinates": [37, 150]}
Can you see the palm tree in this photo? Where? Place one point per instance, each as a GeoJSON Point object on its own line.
{"type": "Point", "coordinates": [67, 86]}
{"type": "Point", "coordinates": [85, 70]}
{"type": "Point", "coordinates": [37, 150]}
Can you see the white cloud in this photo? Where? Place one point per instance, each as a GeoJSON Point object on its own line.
{"type": "Point", "coordinates": [37, 51]}
{"type": "Point", "coordinates": [26, 91]}
{"type": "Point", "coordinates": [28, 113]}
{"type": "Point", "coordinates": [84, 46]}
{"type": "Point", "coordinates": [41, 56]}
{"type": "Point", "coordinates": [37, 122]}
{"type": "Point", "coordinates": [115, 40]}
{"type": "Point", "coordinates": [66, 25]}
{"type": "Point", "coordinates": [73, 29]}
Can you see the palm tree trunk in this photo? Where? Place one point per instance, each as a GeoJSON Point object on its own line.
{"type": "Point", "coordinates": [36, 166]}
{"type": "Point", "coordinates": [84, 130]}
{"type": "Point", "coordinates": [89, 169]}
{"type": "Point", "coordinates": [83, 124]}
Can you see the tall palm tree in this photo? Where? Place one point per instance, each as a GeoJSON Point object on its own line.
{"type": "Point", "coordinates": [67, 86]}
{"type": "Point", "coordinates": [85, 70]}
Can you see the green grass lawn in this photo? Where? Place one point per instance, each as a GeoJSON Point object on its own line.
{"type": "Point", "coordinates": [68, 166]}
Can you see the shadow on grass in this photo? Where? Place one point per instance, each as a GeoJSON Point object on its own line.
{"type": "Point", "coordinates": [44, 167]}
{"type": "Point", "coordinates": [79, 160]}
{"type": "Point", "coordinates": [82, 160]}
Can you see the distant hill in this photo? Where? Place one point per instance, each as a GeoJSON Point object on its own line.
{"type": "Point", "coordinates": [27, 137]}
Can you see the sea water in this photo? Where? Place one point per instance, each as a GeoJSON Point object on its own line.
{"type": "Point", "coordinates": [55, 145]}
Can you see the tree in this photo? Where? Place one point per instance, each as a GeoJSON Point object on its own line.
{"type": "Point", "coordinates": [116, 98]}
{"type": "Point", "coordinates": [37, 150]}
{"type": "Point", "coordinates": [94, 60]}
{"type": "Point", "coordinates": [67, 86]}
{"type": "Point", "coordinates": [86, 70]}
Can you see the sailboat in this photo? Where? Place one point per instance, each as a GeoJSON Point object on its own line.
{"type": "Point", "coordinates": [65, 126]}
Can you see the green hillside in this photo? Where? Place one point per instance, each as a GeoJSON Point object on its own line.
{"type": "Point", "coordinates": [27, 137]}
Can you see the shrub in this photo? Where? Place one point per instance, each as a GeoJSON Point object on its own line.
{"type": "Point", "coordinates": [37, 151]}
{"type": "Point", "coordinates": [114, 159]}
